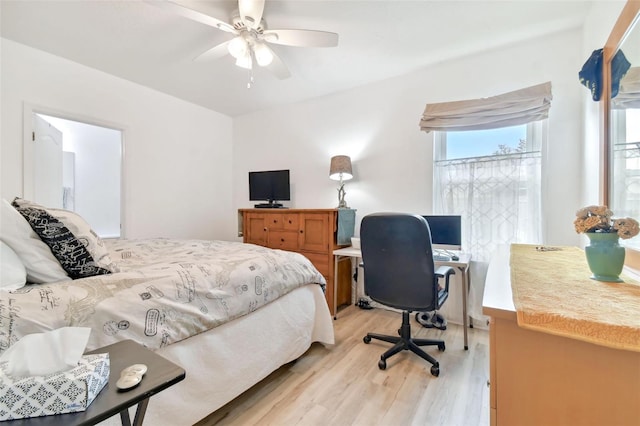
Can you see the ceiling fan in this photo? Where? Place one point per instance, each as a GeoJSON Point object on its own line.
{"type": "Point", "coordinates": [250, 44]}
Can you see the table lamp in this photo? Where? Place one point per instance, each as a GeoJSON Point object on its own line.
{"type": "Point", "coordinates": [340, 170]}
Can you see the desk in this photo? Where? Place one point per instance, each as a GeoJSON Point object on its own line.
{"type": "Point", "coordinates": [161, 374]}
{"type": "Point", "coordinates": [462, 264]}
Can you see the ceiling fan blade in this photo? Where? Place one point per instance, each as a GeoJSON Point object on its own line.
{"type": "Point", "coordinates": [251, 12]}
{"type": "Point", "coordinates": [216, 52]}
{"type": "Point", "coordinates": [278, 68]}
{"type": "Point", "coordinates": [192, 14]}
{"type": "Point", "coordinates": [301, 38]}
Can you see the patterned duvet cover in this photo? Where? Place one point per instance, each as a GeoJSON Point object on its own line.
{"type": "Point", "coordinates": [166, 291]}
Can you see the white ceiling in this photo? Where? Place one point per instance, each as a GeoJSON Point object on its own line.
{"type": "Point", "coordinates": [379, 39]}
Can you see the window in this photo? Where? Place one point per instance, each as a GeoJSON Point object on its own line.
{"type": "Point", "coordinates": [493, 179]}
{"type": "Point", "coordinates": [625, 194]}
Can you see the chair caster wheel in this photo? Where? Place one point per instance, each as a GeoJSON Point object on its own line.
{"type": "Point", "coordinates": [435, 370]}
{"type": "Point", "coordinates": [382, 364]}
{"type": "Point", "coordinates": [441, 347]}
{"type": "Point", "coordinates": [366, 339]}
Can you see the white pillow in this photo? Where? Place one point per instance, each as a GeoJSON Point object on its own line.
{"type": "Point", "coordinates": [13, 275]}
{"type": "Point", "coordinates": [81, 230]}
{"type": "Point", "coordinates": [39, 262]}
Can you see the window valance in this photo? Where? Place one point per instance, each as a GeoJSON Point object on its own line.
{"type": "Point", "coordinates": [508, 109]}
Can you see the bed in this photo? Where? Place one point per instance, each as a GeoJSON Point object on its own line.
{"type": "Point", "coordinates": [229, 313]}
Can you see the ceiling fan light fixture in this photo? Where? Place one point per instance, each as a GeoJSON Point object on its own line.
{"type": "Point", "coordinates": [245, 61]}
{"type": "Point", "coordinates": [251, 38]}
{"type": "Point", "coordinates": [263, 54]}
{"type": "Point", "coordinates": [238, 47]}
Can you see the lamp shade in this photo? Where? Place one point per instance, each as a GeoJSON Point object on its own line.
{"type": "Point", "coordinates": [340, 168]}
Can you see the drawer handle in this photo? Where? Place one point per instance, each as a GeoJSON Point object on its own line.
{"type": "Point", "coordinates": [301, 231]}
{"type": "Point", "coordinates": [264, 229]}
{"type": "Point", "coordinates": [282, 240]}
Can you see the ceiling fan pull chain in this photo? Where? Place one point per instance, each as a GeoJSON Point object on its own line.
{"type": "Point", "coordinates": [250, 78]}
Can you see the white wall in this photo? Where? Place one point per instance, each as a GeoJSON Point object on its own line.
{"type": "Point", "coordinates": [377, 125]}
{"type": "Point", "coordinates": [177, 173]}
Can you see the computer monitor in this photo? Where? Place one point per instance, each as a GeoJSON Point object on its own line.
{"type": "Point", "coordinates": [446, 232]}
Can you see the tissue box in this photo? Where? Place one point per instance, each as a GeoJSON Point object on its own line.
{"type": "Point", "coordinates": [63, 392]}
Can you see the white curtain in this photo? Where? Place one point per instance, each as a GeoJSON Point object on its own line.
{"type": "Point", "coordinates": [499, 196]}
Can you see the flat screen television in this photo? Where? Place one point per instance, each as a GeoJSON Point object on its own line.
{"type": "Point", "coordinates": [446, 232]}
{"type": "Point", "coordinates": [271, 186]}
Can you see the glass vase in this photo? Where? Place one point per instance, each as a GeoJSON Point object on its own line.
{"type": "Point", "coordinates": [605, 256]}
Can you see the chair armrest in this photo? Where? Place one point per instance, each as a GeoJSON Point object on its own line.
{"type": "Point", "coordinates": [443, 293]}
{"type": "Point", "coordinates": [444, 271]}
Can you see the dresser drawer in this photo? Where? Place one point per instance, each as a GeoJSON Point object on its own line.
{"type": "Point", "coordinates": [283, 240]}
{"type": "Point", "coordinates": [290, 221]}
{"type": "Point", "coordinates": [274, 221]}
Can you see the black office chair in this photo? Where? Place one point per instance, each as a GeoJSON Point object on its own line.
{"type": "Point", "coordinates": [399, 272]}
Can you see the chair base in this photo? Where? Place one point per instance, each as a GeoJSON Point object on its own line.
{"type": "Point", "coordinates": [405, 342]}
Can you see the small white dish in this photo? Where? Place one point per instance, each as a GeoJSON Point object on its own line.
{"type": "Point", "coordinates": [136, 369]}
{"type": "Point", "coordinates": [127, 381]}
{"type": "Point", "coordinates": [131, 376]}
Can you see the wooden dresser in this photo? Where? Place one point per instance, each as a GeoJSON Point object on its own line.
{"type": "Point", "coordinates": [537, 378]}
{"type": "Point", "coordinates": [311, 232]}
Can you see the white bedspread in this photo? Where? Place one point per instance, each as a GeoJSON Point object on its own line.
{"type": "Point", "coordinates": [166, 291]}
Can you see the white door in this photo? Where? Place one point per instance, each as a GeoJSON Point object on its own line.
{"type": "Point", "coordinates": [47, 170]}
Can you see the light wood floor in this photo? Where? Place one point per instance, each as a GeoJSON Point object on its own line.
{"type": "Point", "coordinates": [342, 385]}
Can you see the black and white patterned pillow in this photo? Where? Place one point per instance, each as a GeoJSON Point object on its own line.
{"type": "Point", "coordinates": [73, 256]}
{"type": "Point", "coordinates": [80, 229]}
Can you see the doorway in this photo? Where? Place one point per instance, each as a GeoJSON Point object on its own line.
{"type": "Point", "coordinates": [76, 166]}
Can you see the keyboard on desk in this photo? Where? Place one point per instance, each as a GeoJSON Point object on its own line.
{"type": "Point", "coordinates": [441, 258]}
